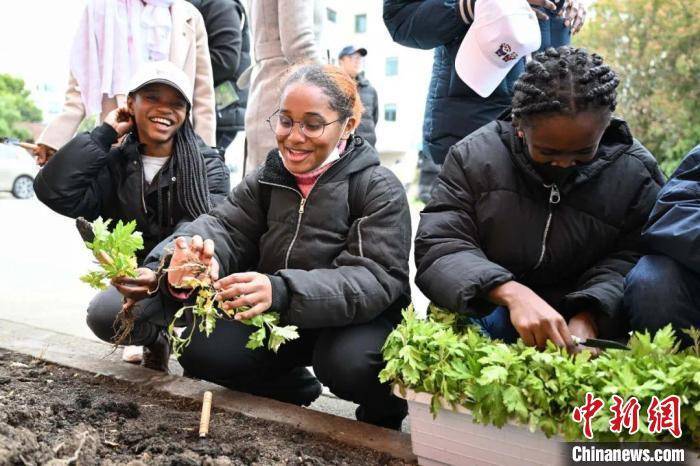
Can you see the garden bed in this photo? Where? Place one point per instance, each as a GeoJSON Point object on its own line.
{"type": "Point", "coordinates": [56, 415]}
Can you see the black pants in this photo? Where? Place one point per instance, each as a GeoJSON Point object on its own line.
{"type": "Point", "coordinates": [150, 317]}
{"type": "Point", "coordinates": [345, 359]}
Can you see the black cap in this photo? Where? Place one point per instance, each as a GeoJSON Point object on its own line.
{"type": "Point", "coordinates": [350, 49]}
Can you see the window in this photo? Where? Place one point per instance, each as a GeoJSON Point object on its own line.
{"type": "Point", "coordinates": [392, 66]}
{"type": "Point", "coordinates": [360, 23]}
{"type": "Point", "coordinates": [331, 15]}
{"type": "Point", "coordinates": [390, 112]}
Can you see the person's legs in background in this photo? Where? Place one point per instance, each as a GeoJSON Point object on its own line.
{"type": "Point", "coordinates": [428, 172]}
{"type": "Point", "coordinates": [660, 291]}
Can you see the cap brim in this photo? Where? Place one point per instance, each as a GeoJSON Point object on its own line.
{"type": "Point", "coordinates": [362, 51]}
{"type": "Point", "coordinates": [475, 69]}
{"type": "Point", "coordinates": [163, 81]}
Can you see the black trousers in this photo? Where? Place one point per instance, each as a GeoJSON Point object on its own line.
{"type": "Point", "coordinates": [345, 359]}
{"type": "Point", "coordinates": [150, 315]}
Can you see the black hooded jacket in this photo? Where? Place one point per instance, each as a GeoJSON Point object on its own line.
{"type": "Point", "coordinates": [89, 178]}
{"type": "Point", "coordinates": [370, 112]}
{"type": "Point", "coordinates": [493, 219]}
{"type": "Point", "coordinates": [327, 268]}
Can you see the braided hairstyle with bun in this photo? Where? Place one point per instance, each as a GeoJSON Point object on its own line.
{"type": "Point", "coordinates": [564, 80]}
{"type": "Point", "coordinates": [338, 86]}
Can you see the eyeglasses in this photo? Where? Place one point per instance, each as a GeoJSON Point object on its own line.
{"type": "Point", "coordinates": [311, 127]}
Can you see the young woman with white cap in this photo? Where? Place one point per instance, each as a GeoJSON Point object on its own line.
{"type": "Point", "coordinates": [161, 174]}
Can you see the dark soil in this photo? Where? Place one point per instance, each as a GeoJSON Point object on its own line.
{"type": "Point", "coordinates": [58, 416]}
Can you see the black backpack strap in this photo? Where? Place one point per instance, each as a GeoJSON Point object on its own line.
{"type": "Point", "coordinates": [357, 192]}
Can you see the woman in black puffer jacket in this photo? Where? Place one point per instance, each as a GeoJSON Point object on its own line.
{"type": "Point", "coordinates": [536, 219]}
{"type": "Point", "coordinates": [321, 234]}
{"type": "Point", "coordinates": [160, 176]}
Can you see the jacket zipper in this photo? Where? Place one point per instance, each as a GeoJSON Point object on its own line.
{"type": "Point", "coordinates": [554, 199]}
{"type": "Point", "coordinates": [302, 203]}
{"type": "Point", "coordinates": [143, 182]}
{"type": "Point", "coordinates": [359, 236]}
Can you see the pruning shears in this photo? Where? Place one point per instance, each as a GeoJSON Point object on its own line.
{"type": "Point", "coordinates": [599, 343]}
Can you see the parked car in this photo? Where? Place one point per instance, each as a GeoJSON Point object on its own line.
{"type": "Point", "coordinates": [17, 171]}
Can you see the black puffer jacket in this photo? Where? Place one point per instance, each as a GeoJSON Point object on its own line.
{"type": "Point", "coordinates": [327, 269]}
{"type": "Point", "coordinates": [492, 219]}
{"type": "Point", "coordinates": [370, 113]}
{"type": "Point", "coordinates": [88, 177]}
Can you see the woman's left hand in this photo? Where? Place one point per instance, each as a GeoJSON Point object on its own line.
{"type": "Point", "coordinates": [583, 326]}
{"type": "Point", "coordinates": [250, 289]}
{"type": "Point", "coordinates": [139, 287]}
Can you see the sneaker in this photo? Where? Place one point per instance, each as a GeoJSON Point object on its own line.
{"type": "Point", "coordinates": [132, 354]}
{"type": "Point", "coordinates": [157, 354]}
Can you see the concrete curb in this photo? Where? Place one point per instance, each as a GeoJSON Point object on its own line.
{"type": "Point", "coordinates": [95, 357]}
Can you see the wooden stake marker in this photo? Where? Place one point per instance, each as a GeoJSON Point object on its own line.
{"type": "Point", "coordinates": [206, 415]}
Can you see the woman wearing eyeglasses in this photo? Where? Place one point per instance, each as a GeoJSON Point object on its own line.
{"type": "Point", "coordinates": [321, 234]}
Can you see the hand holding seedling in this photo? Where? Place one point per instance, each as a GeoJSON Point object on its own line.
{"type": "Point", "coordinates": [250, 289]}
{"type": "Point", "coordinates": [193, 261]}
{"type": "Point", "coordinates": [245, 297]}
{"type": "Point", "coordinates": [144, 284]}
{"type": "Point", "coordinates": [121, 120]}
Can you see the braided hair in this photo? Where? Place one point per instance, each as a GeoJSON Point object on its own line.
{"type": "Point", "coordinates": [564, 80]}
{"type": "Point", "coordinates": [192, 186]}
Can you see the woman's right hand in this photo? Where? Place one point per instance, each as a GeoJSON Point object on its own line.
{"type": "Point", "coordinates": [188, 259]}
{"type": "Point", "coordinates": [121, 120]}
{"type": "Point", "coordinates": [533, 319]}
{"type": "Point", "coordinates": [43, 153]}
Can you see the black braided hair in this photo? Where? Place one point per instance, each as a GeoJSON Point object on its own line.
{"type": "Point", "coordinates": [564, 80]}
{"type": "Point", "coordinates": [192, 186]}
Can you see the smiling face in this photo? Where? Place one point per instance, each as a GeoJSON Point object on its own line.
{"type": "Point", "coordinates": [309, 104]}
{"type": "Point", "coordinates": [562, 140]}
{"type": "Point", "coordinates": [159, 111]}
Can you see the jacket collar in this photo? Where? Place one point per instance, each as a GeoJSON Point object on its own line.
{"type": "Point", "coordinates": [617, 139]}
{"type": "Point", "coordinates": [358, 155]}
{"type": "Point", "coordinates": [362, 81]}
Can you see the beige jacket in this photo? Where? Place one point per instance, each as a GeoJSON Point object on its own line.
{"type": "Point", "coordinates": [188, 50]}
{"type": "Point", "coordinates": [285, 32]}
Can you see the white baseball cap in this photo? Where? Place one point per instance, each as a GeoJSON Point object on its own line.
{"type": "Point", "coordinates": [163, 72]}
{"type": "Point", "coordinates": [502, 33]}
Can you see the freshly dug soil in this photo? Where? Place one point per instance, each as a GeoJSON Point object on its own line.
{"type": "Point", "coordinates": [58, 416]}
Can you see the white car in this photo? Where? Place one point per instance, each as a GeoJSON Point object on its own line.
{"type": "Point", "coordinates": [17, 171]}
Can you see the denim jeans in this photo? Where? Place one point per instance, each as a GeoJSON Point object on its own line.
{"type": "Point", "coordinates": [497, 325]}
{"type": "Point", "coordinates": [554, 33]}
{"type": "Point", "coordinates": [660, 291]}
